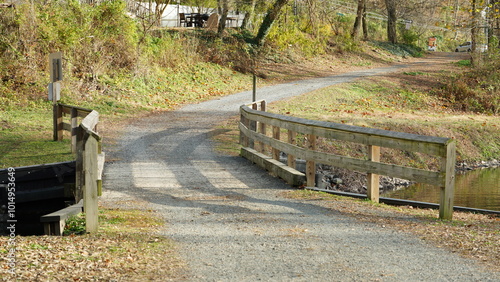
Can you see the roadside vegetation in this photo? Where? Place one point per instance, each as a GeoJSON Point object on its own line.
{"type": "Point", "coordinates": [117, 66]}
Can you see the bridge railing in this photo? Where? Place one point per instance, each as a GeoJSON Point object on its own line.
{"type": "Point", "coordinates": [86, 144]}
{"type": "Point", "coordinates": [254, 122]}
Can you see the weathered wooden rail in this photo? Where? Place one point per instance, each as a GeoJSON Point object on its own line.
{"type": "Point", "coordinates": [86, 144]}
{"type": "Point", "coordinates": [253, 137]}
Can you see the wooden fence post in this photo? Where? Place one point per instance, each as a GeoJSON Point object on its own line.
{"type": "Point", "coordinates": [310, 164]}
{"type": "Point", "coordinates": [58, 122]}
{"type": "Point", "coordinates": [292, 139]}
{"type": "Point", "coordinates": [74, 128]}
{"type": "Point", "coordinates": [253, 126]}
{"type": "Point", "coordinates": [90, 190]}
{"type": "Point", "coordinates": [373, 185]}
{"type": "Point", "coordinates": [276, 135]}
{"type": "Point", "coordinates": [243, 137]}
{"type": "Point", "coordinates": [448, 190]}
{"type": "Point", "coordinates": [262, 127]}
{"type": "Point", "coordinates": [79, 176]}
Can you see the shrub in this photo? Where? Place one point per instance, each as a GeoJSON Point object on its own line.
{"type": "Point", "coordinates": [477, 90]}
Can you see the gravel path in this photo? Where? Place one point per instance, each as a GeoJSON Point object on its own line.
{"type": "Point", "coordinates": [230, 222]}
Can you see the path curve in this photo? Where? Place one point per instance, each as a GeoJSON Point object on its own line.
{"type": "Point", "coordinates": [230, 222]}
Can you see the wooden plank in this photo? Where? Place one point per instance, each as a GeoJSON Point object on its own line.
{"type": "Point", "coordinates": [362, 135]}
{"type": "Point", "coordinates": [418, 175]}
{"type": "Point", "coordinates": [289, 175]}
{"type": "Point", "coordinates": [82, 112]}
{"type": "Point", "coordinates": [89, 124]}
{"type": "Point", "coordinates": [90, 190]}
{"type": "Point", "coordinates": [448, 189]}
{"type": "Point", "coordinates": [373, 185]}
{"type": "Point", "coordinates": [66, 126]}
{"type": "Point", "coordinates": [310, 163]}
{"type": "Point", "coordinates": [54, 223]}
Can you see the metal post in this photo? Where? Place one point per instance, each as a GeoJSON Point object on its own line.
{"type": "Point", "coordinates": [254, 91]}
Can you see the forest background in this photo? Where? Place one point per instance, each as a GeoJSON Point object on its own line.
{"type": "Point", "coordinates": [120, 62]}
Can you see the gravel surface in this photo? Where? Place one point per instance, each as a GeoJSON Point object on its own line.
{"type": "Point", "coordinates": [230, 222]}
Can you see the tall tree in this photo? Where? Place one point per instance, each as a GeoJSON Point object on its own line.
{"type": "Point", "coordinates": [271, 16]}
{"type": "Point", "coordinates": [365, 25]}
{"type": "Point", "coordinates": [247, 21]}
{"type": "Point", "coordinates": [475, 57]}
{"type": "Point", "coordinates": [391, 20]}
{"type": "Point", "coordinates": [223, 18]}
{"type": "Point", "coordinates": [359, 18]}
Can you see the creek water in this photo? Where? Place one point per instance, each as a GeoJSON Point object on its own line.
{"type": "Point", "coordinates": [475, 189]}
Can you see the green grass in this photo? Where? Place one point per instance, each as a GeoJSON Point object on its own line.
{"type": "Point", "coordinates": [26, 137]}
{"type": "Point", "coordinates": [386, 106]}
{"type": "Point", "coordinates": [414, 73]}
{"type": "Point", "coordinates": [26, 122]}
{"type": "Point", "coordinates": [464, 63]}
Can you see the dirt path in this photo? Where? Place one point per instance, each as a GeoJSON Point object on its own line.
{"type": "Point", "coordinates": [230, 221]}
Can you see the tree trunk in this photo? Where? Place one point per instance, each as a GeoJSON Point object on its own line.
{"type": "Point", "coordinates": [272, 14]}
{"type": "Point", "coordinates": [249, 16]}
{"type": "Point", "coordinates": [365, 25]}
{"type": "Point", "coordinates": [359, 19]}
{"type": "Point", "coordinates": [475, 56]}
{"type": "Point", "coordinates": [223, 18]}
{"type": "Point", "coordinates": [391, 21]}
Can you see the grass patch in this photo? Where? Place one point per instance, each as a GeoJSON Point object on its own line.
{"type": "Point", "coordinates": [414, 73]}
{"type": "Point", "coordinates": [464, 63]}
{"type": "Point", "coordinates": [26, 137]}
{"type": "Point", "coordinates": [26, 125]}
{"type": "Point", "coordinates": [385, 105]}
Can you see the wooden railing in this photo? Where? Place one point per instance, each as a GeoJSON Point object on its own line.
{"type": "Point", "coordinates": [60, 110]}
{"type": "Point", "coordinates": [86, 144]}
{"type": "Point", "coordinates": [255, 121]}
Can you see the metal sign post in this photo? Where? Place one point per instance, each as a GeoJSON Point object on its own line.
{"type": "Point", "coordinates": [54, 91]}
{"type": "Point", "coordinates": [254, 88]}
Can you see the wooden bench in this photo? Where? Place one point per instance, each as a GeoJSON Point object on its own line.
{"type": "Point", "coordinates": [54, 223]}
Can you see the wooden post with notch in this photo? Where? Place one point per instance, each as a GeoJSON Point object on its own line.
{"type": "Point", "coordinates": [373, 185]}
{"type": "Point", "coordinates": [74, 128]}
{"type": "Point", "coordinates": [276, 135]}
{"type": "Point", "coordinates": [243, 137]}
{"type": "Point", "coordinates": [448, 186]}
{"type": "Point", "coordinates": [54, 89]}
{"type": "Point", "coordinates": [311, 164]}
{"type": "Point", "coordinates": [58, 122]}
{"type": "Point", "coordinates": [90, 191]}
{"type": "Point", "coordinates": [253, 127]}
{"type": "Point", "coordinates": [262, 127]}
{"type": "Point", "coordinates": [292, 139]}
